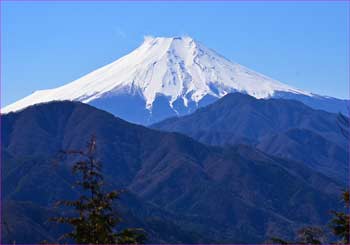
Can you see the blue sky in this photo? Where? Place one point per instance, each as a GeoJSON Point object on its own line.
{"type": "Point", "coordinates": [47, 44]}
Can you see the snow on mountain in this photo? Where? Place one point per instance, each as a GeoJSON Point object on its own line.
{"type": "Point", "coordinates": [179, 69]}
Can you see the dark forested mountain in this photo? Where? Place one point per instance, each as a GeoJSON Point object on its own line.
{"type": "Point", "coordinates": [281, 127]}
{"type": "Point", "coordinates": [179, 190]}
{"type": "Point", "coordinates": [309, 147]}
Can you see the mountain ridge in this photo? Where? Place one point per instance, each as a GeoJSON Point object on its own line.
{"type": "Point", "coordinates": [277, 126]}
{"type": "Point", "coordinates": [168, 170]}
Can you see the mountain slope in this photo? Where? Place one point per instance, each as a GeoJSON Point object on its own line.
{"type": "Point", "coordinates": [311, 148]}
{"type": "Point", "coordinates": [239, 118]}
{"type": "Point", "coordinates": [165, 77]}
{"type": "Point", "coordinates": [218, 195]}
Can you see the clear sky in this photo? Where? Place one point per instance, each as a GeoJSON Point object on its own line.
{"type": "Point", "coordinates": [47, 44]}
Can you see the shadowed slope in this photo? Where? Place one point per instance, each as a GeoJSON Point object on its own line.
{"type": "Point", "coordinates": [278, 126]}
{"type": "Point", "coordinates": [218, 195]}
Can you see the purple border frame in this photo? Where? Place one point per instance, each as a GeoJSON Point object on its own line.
{"type": "Point", "coordinates": [164, 1]}
{"type": "Point", "coordinates": [170, 1]}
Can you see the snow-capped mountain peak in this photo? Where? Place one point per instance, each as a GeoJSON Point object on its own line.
{"type": "Point", "coordinates": [178, 68]}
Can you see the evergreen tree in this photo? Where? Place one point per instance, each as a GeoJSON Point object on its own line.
{"type": "Point", "coordinates": [306, 235]}
{"type": "Point", "coordinates": [310, 235]}
{"type": "Point", "coordinates": [340, 224]}
{"type": "Point", "coordinates": [276, 240]}
{"type": "Point", "coordinates": [95, 219]}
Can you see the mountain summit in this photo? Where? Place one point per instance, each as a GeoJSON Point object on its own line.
{"type": "Point", "coordinates": [162, 78]}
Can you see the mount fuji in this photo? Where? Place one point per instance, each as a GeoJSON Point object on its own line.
{"type": "Point", "coordinates": [167, 77]}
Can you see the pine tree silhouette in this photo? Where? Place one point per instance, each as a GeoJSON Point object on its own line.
{"type": "Point", "coordinates": [95, 219]}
